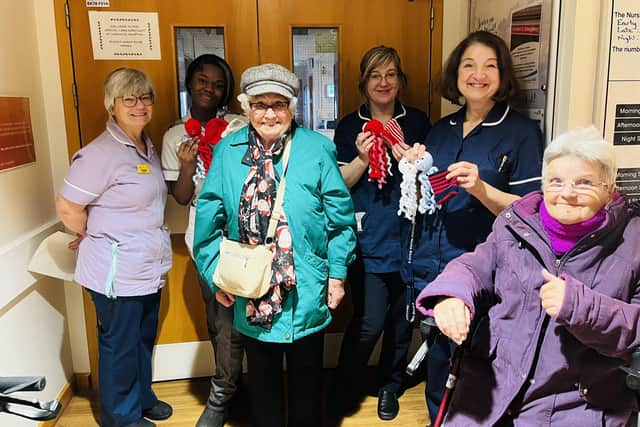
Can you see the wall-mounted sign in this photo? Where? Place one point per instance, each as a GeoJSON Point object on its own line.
{"type": "Point", "coordinates": [628, 183]}
{"type": "Point", "coordinates": [622, 114]}
{"type": "Point", "coordinates": [16, 137]}
{"type": "Point", "coordinates": [124, 35]}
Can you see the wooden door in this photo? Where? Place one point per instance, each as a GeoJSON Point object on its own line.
{"type": "Point", "coordinates": [361, 24]}
{"type": "Point", "coordinates": [182, 317]}
{"type": "Point", "coordinates": [255, 31]}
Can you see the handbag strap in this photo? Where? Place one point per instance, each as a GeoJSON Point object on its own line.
{"type": "Point", "coordinates": [277, 206]}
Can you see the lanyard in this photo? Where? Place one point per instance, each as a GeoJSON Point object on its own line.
{"type": "Point", "coordinates": [410, 309]}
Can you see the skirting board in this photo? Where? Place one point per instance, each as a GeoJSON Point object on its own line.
{"type": "Point", "coordinates": [195, 359]}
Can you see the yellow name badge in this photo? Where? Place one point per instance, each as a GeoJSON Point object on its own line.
{"type": "Point", "coordinates": [144, 168]}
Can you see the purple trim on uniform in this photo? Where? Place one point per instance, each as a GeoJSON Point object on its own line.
{"type": "Point", "coordinates": [123, 206]}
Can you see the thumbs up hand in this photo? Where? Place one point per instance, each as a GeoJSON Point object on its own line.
{"type": "Point", "coordinates": [552, 293]}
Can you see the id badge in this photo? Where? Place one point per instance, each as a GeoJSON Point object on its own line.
{"type": "Point", "coordinates": [144, 168]}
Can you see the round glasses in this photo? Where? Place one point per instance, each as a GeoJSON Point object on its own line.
{"type": "Point", "coordinates": [261, 107]}
{"type": "Point", "coordinates": [580, 186]}
{"type": "Point", "coordinates": [391, 76]}
{"type": "Point", "coordinates": [132, 100]}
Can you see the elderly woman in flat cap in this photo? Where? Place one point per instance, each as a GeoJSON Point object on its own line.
{"type": "Point", "coordinates": [313, 245]}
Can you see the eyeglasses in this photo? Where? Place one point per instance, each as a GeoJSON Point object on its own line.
{"type": "Point", "coordinates": [391, 76]}
{"type": "Point", "coordinates": [277, 107]}
{"type": "Point", "coordinates": [132, 100]}
{"type": "Point", "coordinates": [581, 186]}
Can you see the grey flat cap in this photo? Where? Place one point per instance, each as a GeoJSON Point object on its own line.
{"type": "Point", "coordinates": [269, 78]}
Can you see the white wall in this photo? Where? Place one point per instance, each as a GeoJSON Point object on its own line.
{"type": "Point", "coordinates": [33, 327]}
{"type": "Point", "coordinates": [580, 63]}
{"type": "Point", "coordinates": [455, 27]}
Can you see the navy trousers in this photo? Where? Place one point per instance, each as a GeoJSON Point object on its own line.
{"type": "Point", "coordinates": [127, 328]}
{"type": "Point", "coordinates": [379, 301]}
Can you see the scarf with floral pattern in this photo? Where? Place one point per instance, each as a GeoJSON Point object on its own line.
{"type": "Point", "coordinates": [258, 196]}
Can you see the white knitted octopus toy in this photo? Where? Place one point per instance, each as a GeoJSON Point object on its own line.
{"type": "Point", "coordinates": [421, 168]}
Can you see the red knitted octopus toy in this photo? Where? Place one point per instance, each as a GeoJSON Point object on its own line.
{"type": "Point", "coordinates": [379, 162]}
{"type": "Point", "coordinates": [212, 134]}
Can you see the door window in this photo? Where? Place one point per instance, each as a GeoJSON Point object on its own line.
{"type": "Point", "coordinates": [190, 43]}
{"type": "Point", "coordinates": [315, 62]}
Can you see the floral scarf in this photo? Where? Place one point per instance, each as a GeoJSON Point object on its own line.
{"type": "Point", "coordinates": [258, 196]}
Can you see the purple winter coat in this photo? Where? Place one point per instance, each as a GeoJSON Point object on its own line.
{"type": "Point", "coordinates": [575, 380]}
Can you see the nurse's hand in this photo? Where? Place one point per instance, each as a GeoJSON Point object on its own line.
{"type": "Point", "coordinates": [399, 150]}
{"type": "Point", "coordinates": [225, 298]}
{"type": "Point", "coordinates": [335, 293]}
{"type": "Point", "coordinates": [467, 176]}
{"type": "Point", "coordinates": [187, 152]}
{"type": "Point", "coordinates": [75, 243]}
{"type": "Point", "coordinates": [364, 142]}
{"type": "Point", "coordinates": [453, 318]}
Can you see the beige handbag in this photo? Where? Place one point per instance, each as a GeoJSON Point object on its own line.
{"type": "Point", "coordinates": [245, 270]}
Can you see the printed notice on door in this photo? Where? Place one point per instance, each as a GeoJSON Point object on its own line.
{"type": "Point", "coordinates": [124, 35]}
{"type": "Point", "coordinates": [16, 137]}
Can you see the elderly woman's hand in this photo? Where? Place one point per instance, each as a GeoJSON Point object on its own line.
{"type": "Point", "coordinates": [364, 142]}
{"type": "Point", "coordinates": [335, 292]}
{"type": "Point", "coordinates": [467, 176]}
{"type": "Point", "coordinates": [453, 318]}
{"type": "Point", "coordinates": [187, 152]}
{"type": "Point", "coordinates": [552, 293]}
{"type": "Point", "coordinates": [225, 298]}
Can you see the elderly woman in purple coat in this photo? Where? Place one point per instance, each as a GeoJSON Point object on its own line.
{"type": "Point", "coordinates": [559, 282]}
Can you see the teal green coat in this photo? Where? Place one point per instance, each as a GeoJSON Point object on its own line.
{"type": "Point", "coordinates": [319, 210]}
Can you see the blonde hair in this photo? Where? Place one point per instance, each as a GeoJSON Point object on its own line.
{"type": "Point", "coordinates": [587, 144]}
{"type": "Point", "coordinates": [375, 57]}
{"type": "Point", "coordinates": [125, 81]}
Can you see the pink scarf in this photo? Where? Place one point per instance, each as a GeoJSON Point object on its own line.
{"type": "Point", "coordinates": [565, 236]}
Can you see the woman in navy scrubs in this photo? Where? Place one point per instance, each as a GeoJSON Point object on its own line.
{"type": "Point", "coordinates": [377, 288]}
{"type": "Point", "coordinates": [494, 156]}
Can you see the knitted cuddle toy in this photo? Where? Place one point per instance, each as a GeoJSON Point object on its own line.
{"type": "Point", "coordinates": [212, 134]}
{"type": "Point", "coordinates": [434, 189]}
{"type": "Point", "coordinates": [379, 161]}
{"type": "Point", "coordinates": [408, 189]}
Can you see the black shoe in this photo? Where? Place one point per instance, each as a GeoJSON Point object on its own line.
{"type": "Point", "coordinates": [141, 423]}
{"type": "Point", "coordinates": [160, 411]}
{"type": "Point", "coordinates": [388, 406]}
{"type": "Point", "coordinates": [210, 418]}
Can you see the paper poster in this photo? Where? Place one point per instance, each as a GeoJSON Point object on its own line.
{"type": "Point", "coordinates": [124, 35]}
{"type": "Point", "coordinates": [525, 45]}
{"type": "Point", "coordinates": [525, 26]}
{"type": "Point", "coordinates": [16, 136]}
{"type": "Point", "coordinates": [622, 105]}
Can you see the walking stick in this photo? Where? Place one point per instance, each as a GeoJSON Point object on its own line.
{"type": "Point", "coordinates": [451, 384]}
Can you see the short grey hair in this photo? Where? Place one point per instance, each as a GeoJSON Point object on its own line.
{"type": "Point", "coordinates": [125, 81]}
{"type": "Point", "coordinates": [245, 100]}
{"type": "Point", "coordinates": [586, 144]}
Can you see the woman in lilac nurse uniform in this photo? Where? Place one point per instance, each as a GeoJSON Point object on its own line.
{"type": "Point", "coordinates": [113, 196]}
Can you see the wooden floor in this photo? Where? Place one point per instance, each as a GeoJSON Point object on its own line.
{"type": "Point", "coordinates": [188, 398]}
